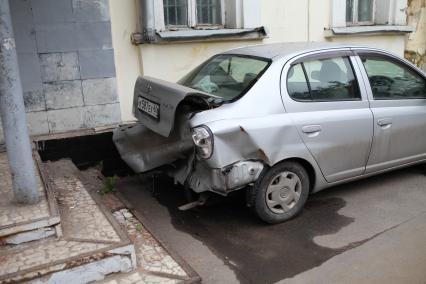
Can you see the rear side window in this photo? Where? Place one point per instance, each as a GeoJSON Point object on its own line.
{"type": "Point", "coordinates": [330, 79]}
{"type": "Point", "coordinates": [227, 76]}
{"type": "Point", "coordinates": [390, 79]}
{"type": "Point", "coordinates": [297, 86]}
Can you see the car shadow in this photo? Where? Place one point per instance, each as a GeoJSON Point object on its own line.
{"type": "Point", "coordinates": [255, 251]}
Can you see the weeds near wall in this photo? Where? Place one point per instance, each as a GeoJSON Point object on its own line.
{"type": "Point", "coordinates": [109, 185]}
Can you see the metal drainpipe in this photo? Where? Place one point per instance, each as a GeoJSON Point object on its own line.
{"type": "Point", "coordinates": [13, 117]}
{"type": "Point", "coordinates": [309, 20]}
{"type": "Point", "coordinates": [147, 20]}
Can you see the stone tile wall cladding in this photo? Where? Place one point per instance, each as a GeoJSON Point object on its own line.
{"type": "Point", "coordinates": [66, 63]}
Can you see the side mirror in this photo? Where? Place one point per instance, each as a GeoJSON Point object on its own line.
{"type": "Point", "coordinates": [315, 75]}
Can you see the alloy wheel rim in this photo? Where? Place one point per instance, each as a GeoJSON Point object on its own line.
{"type": "Point", "coordinates": [283, 192]}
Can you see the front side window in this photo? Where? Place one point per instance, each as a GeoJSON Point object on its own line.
{"type": "Point", "coordinates": [359, 12]}
{"type": "Point", "coordinates": [227, 76]}
{"type": "Point", "coordinates": [390, 79]}
{"type": "Point", "coordinates": [329, 79]}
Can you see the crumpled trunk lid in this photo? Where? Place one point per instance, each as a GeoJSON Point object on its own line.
{"type": "Point", "coordinates": [156, 102]}
{"type": "Point", "coordinates": [156, 140]}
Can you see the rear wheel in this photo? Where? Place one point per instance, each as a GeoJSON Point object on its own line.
{"type": "Point", "coordinates": [281, 192]}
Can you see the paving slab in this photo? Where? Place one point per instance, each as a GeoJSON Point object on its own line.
{"type": "Point", "coordinates": [139, 277]}
{"type": "Point", "coordinates": [82, 218]}
{"type": "Point", "coordinates": [44, 252]}
{"type": "Point", "coordinates": [150, 254]}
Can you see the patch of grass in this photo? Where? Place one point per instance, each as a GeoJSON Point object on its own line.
{"type": "Point", "coordinates": [138, 227]}
{"type": "Point", "coordinates": [109, 185]}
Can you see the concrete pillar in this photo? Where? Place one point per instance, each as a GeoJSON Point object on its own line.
{"type": "Point", "coordinates": [13, 117]}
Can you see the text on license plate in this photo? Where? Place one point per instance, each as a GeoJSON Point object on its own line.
{"type": "Point", "coordinates": [149, 107]}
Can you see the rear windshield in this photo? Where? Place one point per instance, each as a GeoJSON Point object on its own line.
{"type": "Point", "coordinates": [227, 76]}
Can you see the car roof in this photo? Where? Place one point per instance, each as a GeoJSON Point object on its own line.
{"type": "Point", "coordinates": [279, 50]}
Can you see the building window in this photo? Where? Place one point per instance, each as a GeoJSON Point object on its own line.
{"type": "Point", "coordinates": [175, 13]}
{"type": "Point", "coordinates": [193, 13]}
{"type": "Point", "coordinates": [209, 12]}
{"type": "Point", "coordinates": [360, 12]}
{"type": "Point", "coordinates": [359, 17]}
{"type": "Point", "coordinates": [198, 20]}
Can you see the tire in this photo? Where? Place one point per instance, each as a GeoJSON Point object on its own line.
{"type": "Point", "coordinates": [280, 192]}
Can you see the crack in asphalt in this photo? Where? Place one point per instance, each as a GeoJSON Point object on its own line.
{"type": "Point", "coordinates": [353, 245]}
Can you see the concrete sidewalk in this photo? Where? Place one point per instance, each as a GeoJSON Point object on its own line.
{"type": "Point", "coordinates": [395, 256]}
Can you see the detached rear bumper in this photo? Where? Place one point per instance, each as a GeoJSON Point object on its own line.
{"type": "Point", "coordinates": [144, 150]}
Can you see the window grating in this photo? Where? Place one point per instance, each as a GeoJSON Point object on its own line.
{"type": "Point", "coordinates": [175, 12]}
{"type": "Point", "coordinates": [209, 12]}
{"type": "Point", "coordinates": [360, 12]}
{"type": "Point", "coordinates": [365, 10]}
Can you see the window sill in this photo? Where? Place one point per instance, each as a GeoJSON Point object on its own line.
{"type": "Point", "coordinates": [368, 30]}
{"type": "Point", "coordinates": [192, 35]}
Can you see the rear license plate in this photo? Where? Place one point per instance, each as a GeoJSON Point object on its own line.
{"type": "Point", "coordinates": [149, 107]}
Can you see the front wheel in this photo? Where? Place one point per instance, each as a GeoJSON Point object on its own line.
{"type": "Point", "coordinates": [281, 192]}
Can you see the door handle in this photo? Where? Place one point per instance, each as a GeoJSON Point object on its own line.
{"type": "Point", "coordinates": [384, 121]}
{"type": "Point", "coordinates": [308, 129]}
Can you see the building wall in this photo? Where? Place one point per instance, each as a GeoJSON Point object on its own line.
{"type": "Point", "coordinates": [415, 49]}
{"type": "Point", "coordinates": [128, 65]}
{"type": "Point", "coordinates": [286, 21]}
{"type": "Point", "coordinates": [78, 65]}
{"type": "Point", "coordinates": [66, 62]}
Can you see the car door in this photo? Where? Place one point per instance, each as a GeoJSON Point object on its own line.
{"type": "Point", "coordinates": [331, 112]}
{"type": "Point", "coordinates": [397, 93]}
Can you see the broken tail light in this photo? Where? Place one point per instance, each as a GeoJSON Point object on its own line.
{"type": "Point", "coordinates": [203, 140]}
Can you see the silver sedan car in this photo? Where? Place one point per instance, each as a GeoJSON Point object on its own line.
{"type": "Point", "coordinates": [281, 121]}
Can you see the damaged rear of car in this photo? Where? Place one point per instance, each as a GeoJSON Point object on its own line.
{"type": "Point", "coordinates": [167, 133]}
{"type": "Point", "coordinates": [216, 130]}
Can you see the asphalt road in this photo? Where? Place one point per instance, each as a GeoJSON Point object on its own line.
{"type": "Point", "coordinates": [370, 231]}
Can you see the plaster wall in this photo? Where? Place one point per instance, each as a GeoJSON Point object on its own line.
{"type": "Point", "coordinates": [416, 42]}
